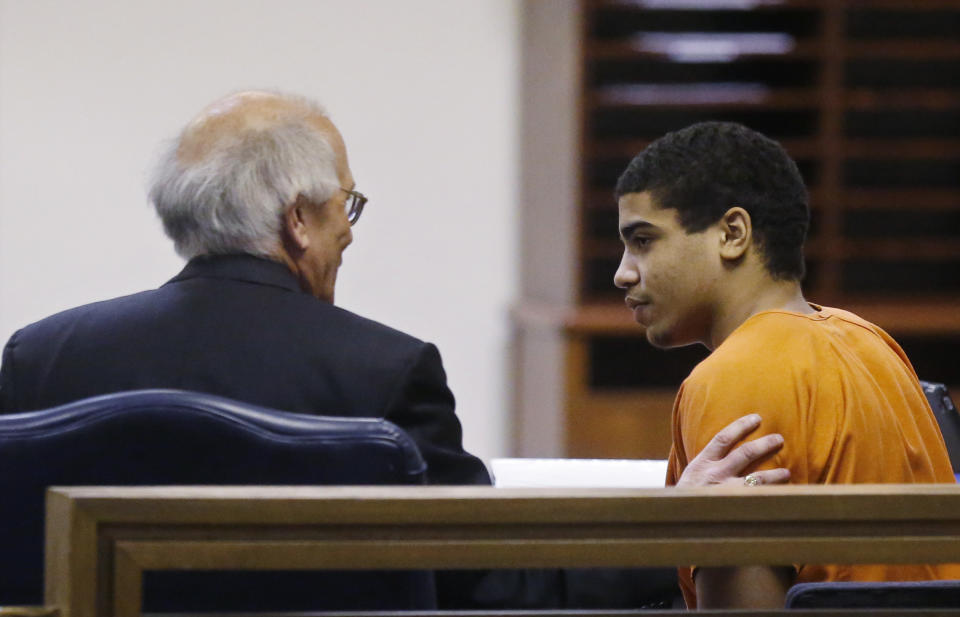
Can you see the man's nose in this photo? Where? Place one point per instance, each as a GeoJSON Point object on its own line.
{"type": "Point", "coordinates": [626, 274]}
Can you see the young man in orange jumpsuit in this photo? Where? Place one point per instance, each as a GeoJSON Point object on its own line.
{"type": "Point", "coordinates": [713, 220]}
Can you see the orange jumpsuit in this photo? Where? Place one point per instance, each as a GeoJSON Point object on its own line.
{"type": "Point", "coordinates": [844, 396]}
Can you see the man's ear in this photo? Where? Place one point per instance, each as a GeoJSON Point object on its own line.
{"type": "Point", "coordinates": [295, 224]}
{"type": "Point", "coordinates": [736, 233]}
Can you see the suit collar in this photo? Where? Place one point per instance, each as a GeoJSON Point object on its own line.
{"type": "Point", "coordinates": [246, 268]}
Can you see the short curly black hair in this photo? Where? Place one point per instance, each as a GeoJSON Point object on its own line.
{"type": "Point", "coordinates": [707, 168]}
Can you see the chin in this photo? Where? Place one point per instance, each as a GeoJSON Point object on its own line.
{"type": "Point", "coordinates": [658, 338]}
{"type": "Point", "coordinates": [664, 338]}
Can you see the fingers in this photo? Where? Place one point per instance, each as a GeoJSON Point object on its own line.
{"type": "Point", "coordinates": [746, 454]}
{"type": "Point", "coordinates": [773, 476]}
{"type": "Point", "coordinates": [718, 464]}
{"type": "Point", "coordinates": [729, 435]}
{"type": "Point", "coordinates": [767, 476]}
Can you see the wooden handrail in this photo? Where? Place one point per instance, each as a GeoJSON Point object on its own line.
{"type": "Point", "coordinates": [101, 539]}
{"type": "Point", "coordinates": [29, 611]}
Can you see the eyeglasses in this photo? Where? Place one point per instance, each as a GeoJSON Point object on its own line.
{"type": "Point", "coordinates": [354, 205]}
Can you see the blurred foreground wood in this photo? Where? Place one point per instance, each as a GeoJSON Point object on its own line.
{"type": "Point", "coordinates": [101, 539]}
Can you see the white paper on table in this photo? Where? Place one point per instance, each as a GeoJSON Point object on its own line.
{"type": "Point", "coordinates": [578, 473]}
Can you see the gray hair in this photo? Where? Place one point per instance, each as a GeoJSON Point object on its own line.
{"type": "Point", "coordinates": [233, 198]}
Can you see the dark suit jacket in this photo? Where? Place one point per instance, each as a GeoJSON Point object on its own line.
{"type": "Point", "coordinates": [239, 326]}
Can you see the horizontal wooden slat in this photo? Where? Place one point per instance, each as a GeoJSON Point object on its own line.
{"type": "Point", "coordinates": [900, 148]}
{"type": "Point", "coordinates": [919, 49]}
{"type": "Point", "coordinates": [623, 423]}
{"type": "Point", "coordinates": [902, 98]}
{"type": "Point", "coordinates": [713, 97]}
{"type": "Point", "coordinates": [100, 540]}
{"type": "Point", "coordinates": [772, 5]}
{"type": "Point", "coordinates": [918, 6]}
{"type": "Point", "coordinates": [889, 49]}
{"type": "Point", "coordinates": [595, 318]}
{"type": "Point", "coordinates": [913, 249]}
{"type": "Point", "coordinates": [630, 50]}
{"type": "Point", "coordinates": [602, 199]}
{"type": "Point", "coordinates": [797, 148]}
{"type": "Point", "coordinates": [892, 149]}
{"type": "Point", "coordinates": [702, 97]}
{"type": "Point", "coordinates": [918, 510]}
{"type": "Point", "coordinates": [482, 527]}
{"type": "Point", "coordinates": [905, 316]}
{"type": "Point", "coordinates": [911, 49]}
{"type": "Point", "coordinates": [905, 199]}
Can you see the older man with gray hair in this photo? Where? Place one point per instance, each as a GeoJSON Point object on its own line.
{"type": "Point", "coordinates": [257, 194]}
{"type": "Point", "coordinates": [261, 174]}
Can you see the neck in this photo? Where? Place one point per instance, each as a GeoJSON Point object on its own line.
{"type": "Point", "coordinates": [747, 301]}
{"type": "Point", "coordinates": [283, 256]}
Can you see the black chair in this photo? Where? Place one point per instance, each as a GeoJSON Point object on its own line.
{"type": "Point", "coordinates": [894, 594]}
{"type": "Point", "coordinates": [168, 437]}
{"type": "Point", "coordinates": [922, 594]}
{"type": "Point", "coordinates": [947, 417]}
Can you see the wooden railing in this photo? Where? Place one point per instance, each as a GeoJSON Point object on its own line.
{"type": "Point", "coordinates": [100, 540]}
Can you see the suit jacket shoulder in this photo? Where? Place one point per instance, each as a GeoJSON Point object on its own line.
{"type": "Point", "coordinates": [239, 326]}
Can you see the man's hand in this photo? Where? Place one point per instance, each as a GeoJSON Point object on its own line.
{"type": "Point", "coordinates": [718, 464]}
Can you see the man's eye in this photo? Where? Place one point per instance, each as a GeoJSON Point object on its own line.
{"type": "Point", "coordinates": [641, 241]}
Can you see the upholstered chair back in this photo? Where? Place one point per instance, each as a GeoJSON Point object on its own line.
{"type": "Point", "coordinates": [168, 437]}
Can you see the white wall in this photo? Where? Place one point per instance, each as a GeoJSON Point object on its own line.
{"type": "Point", "coordinates": [422, 90]}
